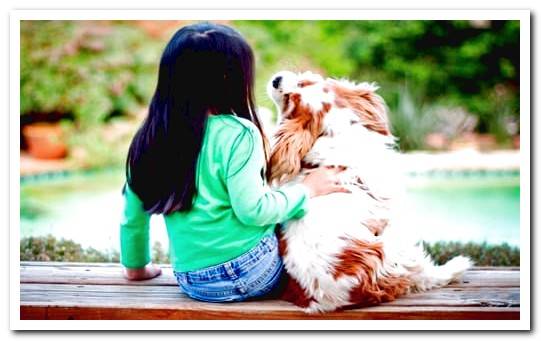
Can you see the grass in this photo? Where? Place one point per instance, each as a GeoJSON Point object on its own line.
{"type": "Point", "coordinates": [50, 249]}
{"type": "Point", "coordinates": [482, 254]}
{"type": "Point", "coordinates": [60, 250]}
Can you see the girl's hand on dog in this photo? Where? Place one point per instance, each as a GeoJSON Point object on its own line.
{"type": "Point", "coordinates": [324, 180]}
{"type": "Point", "coordinates": [149, 271]}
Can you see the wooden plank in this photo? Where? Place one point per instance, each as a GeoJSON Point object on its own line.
{"type": "Point", "coordinates": [98, 291]}
{"type": "Point", "coordinates": [373, 313]}
{"type": "Point", "coordinates": [88, 274]}
{"type": "Point", "coordinates": [107, 274]}
{"type": "Point", "coordinates": [489, 279]}
{"type": "Point", "coordinates": [171, 297]}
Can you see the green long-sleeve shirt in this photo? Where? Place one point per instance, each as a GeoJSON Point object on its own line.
{"type": "Point", "coordinates": [233, 209]}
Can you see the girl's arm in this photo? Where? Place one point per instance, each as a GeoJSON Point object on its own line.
{"type": "Point", "coordinates": [253, 202]}
{"type": "Point", "coordinates": [134, 239]}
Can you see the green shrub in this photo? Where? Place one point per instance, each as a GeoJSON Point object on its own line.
{"type": "Point", "coordinates": [467, 64]}
{"type": "Point", "coordinates": [482, 254]}
{"type": "Point", "coordinates": [99, 146]}
{"type": "Point", "coordinates": [97, 69]}
{"type": "Point", "coordinates": [90, 69]}
{"type": "Point", "coordinates": [411, 121]}
{"type": "Point", "coordinates": [159, 255]}
{"type": "Point", "coordinates": [50, 249]}
{"type": "Point", "coordinates": [60, 250]}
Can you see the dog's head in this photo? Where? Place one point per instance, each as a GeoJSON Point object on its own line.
{"type": "Point", "coordinates": [311, 106]}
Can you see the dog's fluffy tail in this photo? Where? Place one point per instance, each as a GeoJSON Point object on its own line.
{"type": "Point", "coordinates": [425, 275]}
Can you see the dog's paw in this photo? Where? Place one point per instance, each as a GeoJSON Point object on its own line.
{"type": "Point", "coordinates": [318, 308]}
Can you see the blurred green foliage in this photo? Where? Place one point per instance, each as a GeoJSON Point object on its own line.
{"type": "Point", "coordinates": [420, 65]}
{"type": "Point", "coordinates": [95, 70]}
{"type": "Point", "coordinates": [51, 249]}
{"type": "Point", "coordinates": [482, 254]}
{"type": "Point", "coordinates": [89, 69]}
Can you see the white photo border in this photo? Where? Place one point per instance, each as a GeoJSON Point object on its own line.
{"type": "Point", "coordinates": [229, 14]}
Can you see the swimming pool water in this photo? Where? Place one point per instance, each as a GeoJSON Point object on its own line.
{"type": "Point", "coordinates": [482, 208]}
{"type": "Point", "coordinates": [87, 208]}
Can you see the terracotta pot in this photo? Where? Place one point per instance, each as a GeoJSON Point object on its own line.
{"type": "Point", "coordinates": [516, 141]}
{"type": "Point", "coordinates": [45, 141]}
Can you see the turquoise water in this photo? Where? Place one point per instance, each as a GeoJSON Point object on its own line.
{"type": "Point", "coordinates": [87, 208]}
{"type": "Point", "coordinates": [480, 208]}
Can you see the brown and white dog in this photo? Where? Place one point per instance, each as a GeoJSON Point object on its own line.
{"type": "Point", "coordinates": [344, 251]}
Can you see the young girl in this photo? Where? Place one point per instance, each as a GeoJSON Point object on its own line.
{"type": "Point", "coordinates": [199, 159]}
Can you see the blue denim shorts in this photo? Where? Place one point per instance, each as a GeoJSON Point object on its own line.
{"type": "Point", "coordinates": [254, 273]}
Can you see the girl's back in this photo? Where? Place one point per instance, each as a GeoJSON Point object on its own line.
{"type": "Point", "coordinates": [199, 159]}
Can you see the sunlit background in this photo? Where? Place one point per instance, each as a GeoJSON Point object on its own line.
{"type": "Point", "coordinates": [452, 88]}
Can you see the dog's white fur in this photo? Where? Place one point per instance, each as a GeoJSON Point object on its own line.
{"type": "Point", "coordinates": [315, 242]}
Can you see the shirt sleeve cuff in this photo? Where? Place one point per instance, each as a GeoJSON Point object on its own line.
{"type": "Point", "coordinates": [135, 248]}
{"type": "Point", "coordinates": [298, 194]}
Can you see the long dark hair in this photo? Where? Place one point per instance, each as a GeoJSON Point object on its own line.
{"type": "Point", "coordinates": [205, 69]}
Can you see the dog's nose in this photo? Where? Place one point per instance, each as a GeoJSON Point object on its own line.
{"type": "Point", "coordinates": [276, 82]}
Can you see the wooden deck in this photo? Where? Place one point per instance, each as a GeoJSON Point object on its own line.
{"type": "Point", "coordinates": [98, 291]}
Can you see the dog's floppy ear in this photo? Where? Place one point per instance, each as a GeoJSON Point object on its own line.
{"type": "Point", "coordinates": [287, 154]}
{"type": "Point", "coordinates": [362, 98]}
{"type": "Point", "coordinates": [293, 140]}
